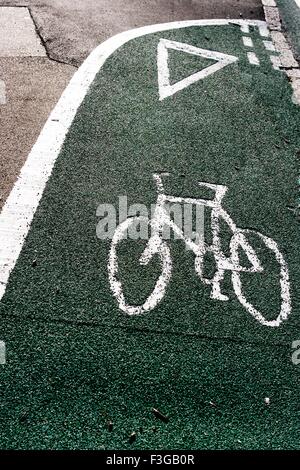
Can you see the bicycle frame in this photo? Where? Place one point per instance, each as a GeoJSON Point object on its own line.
{"type": "Point", "coordinates": [161, 218]}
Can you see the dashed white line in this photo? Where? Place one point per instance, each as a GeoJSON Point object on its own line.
{"type": "Point", "coordinates": [247, 41]}
{"type": "Point", "coordinates": [269, 3]}
{"type": "Point", "coordinates": [245, 26]}
{"type": "Point", "coordinates": [298, 3]}
{"type": "Point", "coordinates": [253, 59]}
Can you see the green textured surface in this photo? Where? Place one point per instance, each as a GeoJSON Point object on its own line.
{"type": "Point", "coordinates": [73, 359]}
{"type": "Point", "coordinates": [63, 383]}
{"type": "Point", "coordinates": [290, 15]}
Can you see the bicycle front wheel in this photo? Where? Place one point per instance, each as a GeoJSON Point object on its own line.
{"type": "Point", "coordinates": [163, 252]}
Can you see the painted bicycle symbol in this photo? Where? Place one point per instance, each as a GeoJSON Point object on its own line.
{"type": "Point", "coordinates": [158, 246]}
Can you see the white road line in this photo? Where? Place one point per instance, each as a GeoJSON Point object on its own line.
{"type": "Point", "coordinates": [2, 92]}
{"type": "Point", "coordinates": [269, 3]}
{"type": "Point", "coordinates": [269, 45]}
{"type": "Point", "coordinates": [262, 27]}
{"type": "Point", "coordinates": [247, 41]}
{"type": "Point", "coordinates": [245, 28]}
{"type": "Point", "coordinates": [20, 207]}
{"type": "Point", "coordinates": [253, 59]}
{"type": "Point", "coordinates": [298, 3]}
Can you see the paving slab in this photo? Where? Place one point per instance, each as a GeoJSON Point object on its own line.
{"type": "Point", "coordinates": [32, 86]}
{"type": "Point", "coordinates": [18, 35]}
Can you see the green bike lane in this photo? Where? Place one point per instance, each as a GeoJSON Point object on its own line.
{"type": "Point", "coordinates": [74, 360]}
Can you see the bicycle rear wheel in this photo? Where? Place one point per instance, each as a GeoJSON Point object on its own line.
{"type": "Point", "coordinates": [236, 276]}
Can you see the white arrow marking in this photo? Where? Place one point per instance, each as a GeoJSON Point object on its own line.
{"type": "Point", "coordinates": [164, 86]}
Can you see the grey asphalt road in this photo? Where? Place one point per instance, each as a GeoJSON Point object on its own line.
{"type": "Point", "coordinates": [65, 33]}
{"type": "Point", "coordinates": [72, 28]}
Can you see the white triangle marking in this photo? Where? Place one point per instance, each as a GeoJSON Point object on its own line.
{"type": "Point", "coordinates": [164, 86]}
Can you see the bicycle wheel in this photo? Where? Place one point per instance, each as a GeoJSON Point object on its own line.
{"type": "Point", "coordinates": [271, 245]}
{"type": "Point", "coordinates": [156, 296]}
